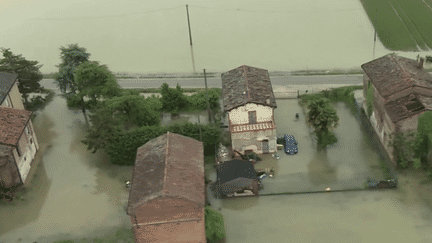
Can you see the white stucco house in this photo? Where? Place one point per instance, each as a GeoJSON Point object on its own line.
{"type": "Point", "coordinates": [18, 143]}
{"type": "Point", "coordinates": [249, 102]}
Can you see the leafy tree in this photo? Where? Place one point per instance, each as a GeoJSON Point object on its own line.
{"type": "Point", "coordinates": [199, 100]}
{"type": "Point", "coordinates": [103, 128]}
{"type": "Point", "coordinates": [71, 57]}
{"type": "Point", "coordinates": [214, 225]}
{"type": "Point", "coordinates": [95, 81]}
{"type": "Point", "coordinates": [322, 116]}
{"type": "Point", "coordinates": [133, 110]}
{"type": "Point", "coordinates": [28, 72]}
{"type": "Point", "coordinates": [173, 100]}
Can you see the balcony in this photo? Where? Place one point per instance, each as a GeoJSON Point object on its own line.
{"type": "Point", "coordinates": [252, 127]}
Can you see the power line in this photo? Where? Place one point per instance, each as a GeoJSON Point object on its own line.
{"type": "Point", "coordinates": [271, 11]}
{"type": "Point", "coordinates": [110, 16]}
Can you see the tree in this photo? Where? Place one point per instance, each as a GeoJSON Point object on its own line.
{"type": "Point", "coordinates": [322, 116]}
{"type": "Point", "coordinates": [214, 225]}
{"type": "Point", "coordinates": [133, 110]}
{"type": "Point", "coordinates": [71, 57]}
{"type": "Point", "coordinates": [173, 100]}
{"type": "Point", "coordinates": [28, 72]}
{"type": "Point", "coordinates": [95, 81]}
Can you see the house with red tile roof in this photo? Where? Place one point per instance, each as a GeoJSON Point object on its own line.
{"type": "Point", "coordinates": [167, 194]}
{"type": "Point", "coordinates": [18, 143]}
{"type": "Point", "coordinates": [402, 91]}
{"type": "Point", "coordinates": [249, 101]}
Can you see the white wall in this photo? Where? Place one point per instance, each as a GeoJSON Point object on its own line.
{"type": "Point", "coordinates": [240, 114]}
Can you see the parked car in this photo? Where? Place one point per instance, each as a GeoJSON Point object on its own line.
{"type": "Point", "coordinates": [374, 184]}
{"type": "Point", "coordinates": [290, 144]}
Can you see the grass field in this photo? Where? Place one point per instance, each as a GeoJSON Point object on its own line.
{"type": "Point", "coordinates": [402, 25]}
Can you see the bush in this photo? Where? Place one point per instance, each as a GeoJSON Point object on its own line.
{"type": "Point", "coordinates": [122, 148]}
{"type": "Point", "coordinates": [34, 103]}
{"type": "Point", "coordinates": [214, 225]}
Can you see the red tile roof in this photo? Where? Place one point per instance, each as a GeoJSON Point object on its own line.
{"type": "Point", "coordinates": [408, 106]}
{"type": "Point", "coordinates": [12, 124]}
{"type": "Point", "coordinates": [391, 74]}
{"type": "Point", "coordinates": [247, 84]}
{"type": "Point", "coordinates": [169, 165]}
{"type": "Point", "coordinates": [252, 127]}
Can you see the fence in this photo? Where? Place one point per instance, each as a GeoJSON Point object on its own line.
{"type": "Point", "coordinates": [295, 94]}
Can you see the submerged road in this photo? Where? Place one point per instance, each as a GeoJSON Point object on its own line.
{"type": "Point", "coordinates": [354, 79]}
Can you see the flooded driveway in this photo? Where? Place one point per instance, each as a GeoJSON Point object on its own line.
{"type": "Point", "coordinates": [345, 165]}
{"type": "Point", "coordinates": [70, 192]}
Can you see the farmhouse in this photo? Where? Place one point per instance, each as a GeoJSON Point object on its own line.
{"type": "Point", "coordinates": [402, 91]}
{"type": "Point", "coordinates": [166, 202]}
{"type": "Point", "coordinates": [237, 178]}
{"type": "Point", "coordinates": [249, 101]}
{"type": "Point", "coordinates": [18, 143]}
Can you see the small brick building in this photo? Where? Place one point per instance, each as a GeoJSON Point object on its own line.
{"type": "Point", "coordinates": [402, 91]}
{"type": "Point", "coordinates": [167, 197]}
{"type": "Point", "coordinates": [249, 100]}
{"type": "Point", "coordinates": [237, 178]}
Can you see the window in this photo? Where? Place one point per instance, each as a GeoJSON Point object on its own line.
{"type": "Point", "coordinates": [252, 117]}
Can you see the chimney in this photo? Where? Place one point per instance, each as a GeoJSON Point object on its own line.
{"type": "Point", "coordinates": [420, 64]}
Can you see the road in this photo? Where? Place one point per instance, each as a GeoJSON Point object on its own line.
{"type": "Point", "coordinates": [287, 81]}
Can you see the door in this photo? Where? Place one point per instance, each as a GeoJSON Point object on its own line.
{"type": "Point", "coordinates": [252, 117]}
{"type": "Point", "coordinates": [265, 146]}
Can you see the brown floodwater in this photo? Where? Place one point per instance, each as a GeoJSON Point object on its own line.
{"type": "Point", "coordinates": [401, 215]}
{"type": "Point", "coordinates": [70, 192]}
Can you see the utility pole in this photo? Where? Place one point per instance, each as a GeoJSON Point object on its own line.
{"type": "Point", "coordinates": [375, 27]}
{"type": "Point", "coordinates": [208, 104]}
{"type": "Point", "coordinates": [190, 39]}
{"type": "Point", "coordinates": [199, 124]}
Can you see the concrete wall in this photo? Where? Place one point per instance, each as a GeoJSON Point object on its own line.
{"type": "Point", "coordinates": [16, 97]}
{"type": "Point", "coordinates": [242, 141]}
{"type": "Point", "coordinates": [240, 114]}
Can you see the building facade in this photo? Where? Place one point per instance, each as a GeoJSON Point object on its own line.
{"type": "Point", "coordinates": [249, 101]}
{"type": "Point", "coordinates": [167, 198]}
{"type": "Point", "coordinates": [402, 91]}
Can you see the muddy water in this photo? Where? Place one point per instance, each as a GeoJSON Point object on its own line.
{"type": "Point", "coordinates": [401, 215]}
{"type": "Point", "coordinates": [70, 192]}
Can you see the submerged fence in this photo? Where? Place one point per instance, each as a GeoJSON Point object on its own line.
{"type": "Point", "coordinates": [295, 93]}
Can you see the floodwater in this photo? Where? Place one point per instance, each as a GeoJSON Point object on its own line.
{"type": "Point", "coordinates": [70, 191]}
{"type": "Point", "coordinates": [154, 37]}
{"type": "Point", "coordinates": [400, 215]}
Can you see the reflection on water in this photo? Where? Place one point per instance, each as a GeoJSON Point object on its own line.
{"type": "Point", "coordinates": [71, 192]}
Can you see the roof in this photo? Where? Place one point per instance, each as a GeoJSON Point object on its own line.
{"type": "Point", "coordinates": [234, 169]}
{"type": "Point", "coordinates": [183, 231]}
{"type": "Point", "coordinates": [169, 165]}
{"type": "Point", "coordinates": [391, 74]}
{"type": "Point", "coordinates": [407, 106]}
{"type": "Point", "coordinates": [247, 84]}
{"type": "Point", "coordinates": [7, 80]}
{"type": "Point", "coordinates": [12, 124]}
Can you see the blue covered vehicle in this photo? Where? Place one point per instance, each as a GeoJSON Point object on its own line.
{"type": "Point", "coordinates": [290, 144]}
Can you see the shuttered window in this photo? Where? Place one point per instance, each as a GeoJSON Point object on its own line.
{"type": "Point", "coordinates": [252, 117]}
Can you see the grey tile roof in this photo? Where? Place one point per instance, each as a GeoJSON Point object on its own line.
{"type": "Point", "coordinates": [247, 84]}
{"type": "Point", "coordinates": [408, 106]}
{"type": "Point", "coordinates": [12, 124]}
{"type": "Point", "coordinates": [234, 169]}
{"type": "Point", "coordinates": [7, 80]}
{"type": "Point", "coordinates": [169, 165]}
{"type": "Point", "coordinates": [391, 74]}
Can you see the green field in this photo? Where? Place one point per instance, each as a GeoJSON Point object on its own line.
{"type": "Point", "coordinates": [402, 25]}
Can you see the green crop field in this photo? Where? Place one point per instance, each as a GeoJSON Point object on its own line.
{"type": "Point", "coordinates": [402, 25]}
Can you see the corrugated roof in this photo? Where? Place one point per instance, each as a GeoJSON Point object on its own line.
{"type": "Point", "coordinates": [7, 80]}
{"type": "Point", "coordinates": [169, 165]}
{"type": "Point", "coordinates": [12, 124]}
{"type": "Point", "coordinates": [391, 74]}
{"type": "Point", "coordinates": [234, 169]}
{"type": "Point", "coordinates": [408, 106]}
{"type": "Point", "coordinates": [247, 84]}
